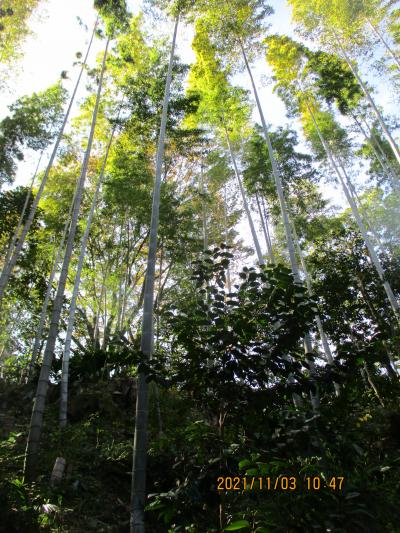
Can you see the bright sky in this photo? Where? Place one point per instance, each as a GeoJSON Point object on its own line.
{"type": "Point", "coordinates": [58, 36]}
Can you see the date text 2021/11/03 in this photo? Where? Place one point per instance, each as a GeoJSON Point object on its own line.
{"type": "Point", "coordinates": [289, 483]}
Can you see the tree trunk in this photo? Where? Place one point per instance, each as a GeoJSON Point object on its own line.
{"type": "Point", "coordinates": [245, 203]}
{"type": "Point", "coordinates": [357, 200]}
{"type": "Point", "coordinates": [124, 279]}
{"type": "Point", "coordinates": [266, 218]}
{"type": "Point", "coordinates": [354, 70]}
{"type": "Point", "coordinates": [43, 313]}
{"type": "Point", "coordinates": [277, 177]}
{"type": "Point", "coordinates": [204, 212]}
{"type": "Point", "coordinates": [384, 42]}
{"type": "Point", "coordinates": [372, 384]}
{"type": "Point", "coordinates": [37, 346]}
{"type": "Point", "coordinates": [228, 270]}
{"type": "Point", "coordinates": [72, 307]}
{"type": "Point", "coordinates": [394, 172]}
{"type": "Point", "coordinates": [6, 273]}
{"type": "Point", "coordinates": [138, 489]}
{"type": "Point", "coordinates": [121, 278]}
{"type": "Point", "coordinates": [388, 361]}
{"type": "Point", "coordinates": [375, 260]}
{"type": "Point", "coordinates": [388, 171]}
{"type": "Point", "coordinates": [157, 305]}
{"type": "Point", "coordinates": [374, 257]}
{"type": "Point", "coordinates": [322, 335]}
{"type": "Point", "coordinates": [43, 383]}
{"type": "Point", "coordinates": [21, 218]}
{"type": "Point", "coordinates": [282, 202]}
{"type": "Point", "coordinates": [264, 226]}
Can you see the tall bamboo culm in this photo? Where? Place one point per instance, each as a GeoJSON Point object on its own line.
{"type": "Point", "coordinates": [285, 217]}
{"type": "Point", "coordinates": [245, 202]}
{"type": "Point", "coordinates": [375, 259]}
{"type": "Point", "coordinates": [139, 460]}
{"type": "Point", "coordinates": [365, 90]}
{"type": "Point", "coordinates": [77, 281]}
{"type": "Point", "coordinates": [43, 383]}
{"type": "Point", "coordinates": [7, 270]}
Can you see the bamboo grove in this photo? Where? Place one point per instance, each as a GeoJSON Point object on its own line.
{"type": "Point", "coordinates": [193, 336]}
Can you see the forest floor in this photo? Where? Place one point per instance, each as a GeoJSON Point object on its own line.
{"type": "Point", "coordinates": [94, 494]}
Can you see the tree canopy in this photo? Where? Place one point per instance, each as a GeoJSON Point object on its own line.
{"type": "Point", "coordinates": [200, 323]}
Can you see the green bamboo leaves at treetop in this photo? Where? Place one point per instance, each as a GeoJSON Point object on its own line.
{"type": "Point", "coordinates": [329, 75]}
{"type": "Point", "coordinates": [233, 24]}
{"type": "Point", "coordinates": [347, 16]}
{"type": "Point", "coordinates": [220, 105]}
{"type": "Point", "coordinates": [333, 32]}
{"type": "Point", "coordinates": [14, 16]}
{"type": "Point", "coordinates": [183, 8]}
{"type": "Point", "coordinates": [114, 13]}
{"type": "Point", "coordinates": [33, 123]}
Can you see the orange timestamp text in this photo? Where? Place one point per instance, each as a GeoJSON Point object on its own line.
{"type": "Point", "coordinates": [284, 483]}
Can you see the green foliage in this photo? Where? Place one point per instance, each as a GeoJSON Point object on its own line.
{"type": "Point", "coordinates": [235, 426]}
{"type": "Point", "coordinates": [33, 123]}
{"type": "Point", "coordinates": [11, 205]}
{"type": "Point", "coordinates": [238, 336]}
{"type": "Point", "coordinates": [115, 14]}
{"type": "Point", "coordinates": [330, 129]}
{"type": "Point", "coordinates": [185, 8]}
{"type": "Point", "coordinates": [382, 176]}
{"type": "Point", "coordinates": [325, 75]}
{"type": "Point", "coordinates": [238, 524]}
{"type": "Point", "coordinates": [335, 81]}
{"type": "Point", "coordinates": [394, 26]}
{"type": "Point", "coordinates": [14, 16]}
{"type": "Point", "coordinates": [220, 105]}
{"type": "Point", "coordinates": [292, 164]}
{"type": "Point", "coordinates": [19, 508]}
{"type": "Point", "coordinates": [227, 364]}
{"type": "Point", "coordinates": [353, 299]}
{"type": "Point", "coordinates": [105, 429]}
{"type": "Point", "coordinates": [349, 17]}
{"type": "Point", "coordinates": [232, 24]}
{"type": "Point", "coordinates": [298, 175]}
